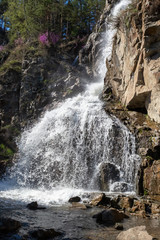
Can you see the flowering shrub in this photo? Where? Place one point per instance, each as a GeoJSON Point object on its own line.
{"type": "Point", "coordinates": [1, 48]}
{"type": "Point", "coordinates": [54, 38]}
{"type": "Point", "coordinates": [18, 42]}
{"type": "Point", "coordinates": [49, 37]}
{"type": "Point", "coordinates": [43, 38]}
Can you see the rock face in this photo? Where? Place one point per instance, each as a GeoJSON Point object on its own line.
{"type": "Point", "coordinates": [108, 172]}
{"type": "Point", "coordinates": [132, 81]}
{"type": "Point", "coordinates": [31, 78]}
{"type": "Point", "coordinates": [90, 53]}
{"type": "Point", "coordinates": [137, 233]}
{"type": "Point", "coordinates": [134, 70]}
{"type": "Point", "coordinates": [151, 180]}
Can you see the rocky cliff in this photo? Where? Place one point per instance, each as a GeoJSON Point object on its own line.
{"type": "Point", "coordinates": [134, 70]}
{"type": "Point", "coordinates": [132, 85]}
{"type": "Point", "coordinates": [32, 79]}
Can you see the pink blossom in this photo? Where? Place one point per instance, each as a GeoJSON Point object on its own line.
{"type": "Point", "coordinates": [43, 38]}
{"type": "Point", "coordinates": [1, 48]}
{"type": "Point", "coordinates": [48, 37]}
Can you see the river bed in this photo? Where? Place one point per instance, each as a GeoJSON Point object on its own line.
{"type": "Point", "coordinates": [73, 223]}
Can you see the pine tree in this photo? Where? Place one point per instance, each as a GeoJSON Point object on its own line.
{"type": "Point", "coordinates": [72, 18]}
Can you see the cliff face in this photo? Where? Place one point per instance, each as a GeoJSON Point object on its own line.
{"type": "Point", "coordinates": [32, 79]}
{"type": "Point", "coordinates": [90, 54]}
{"type": "Point", "coordinates": [133, 81]}
{"type": "Point", "coordinates": [134, 70]}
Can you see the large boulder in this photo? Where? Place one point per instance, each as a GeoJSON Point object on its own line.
{"type": "Point", "coordinates": [136, 233]}
{"type": "Point", "coordinates": [109, 217]}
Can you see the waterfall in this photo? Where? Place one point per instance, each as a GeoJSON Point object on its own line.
{"type": "Point", "coordinates": [75, 148]}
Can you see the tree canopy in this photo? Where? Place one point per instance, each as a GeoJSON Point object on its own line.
{"type": "Point", "coordinates": [66, 18]}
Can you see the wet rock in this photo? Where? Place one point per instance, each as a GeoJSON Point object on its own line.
{"type": "Point", "coordinates": [9, 225]}
{"type": "Point", "coordinates": [101, 199]}
{"type": "Point", "coordinates": [137, 233]}
{"type": "Point", "coordinates": [74, 199]}
{"type": "Point", "coordinates": [115, 202]}
{"type": "Point", "coordinates": [155, 209]}
{"type": "Point", "coordinates": [126, 202]}
{"type": "Point", "coordinates": [42, 234]}
{"type": "Point", "coordinates": [109, 172]}
{"type": "Point", "coordinates": [79, 205]}
{"type": "Point", "coordinates": [34, 206]}
{"type": "Point", "coordinates": [141, 207]}
{"type": "Point", "coordinates": [119, 226]}
{"type": "Point", "coordinates": [109, 217]}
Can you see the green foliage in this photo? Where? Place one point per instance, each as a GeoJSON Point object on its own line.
{"type": "Point", "coordinates": [149, 158]}
{"type": "Point", "coordinates": [11, 65]}
{"type": "Point", "coordinates": [3, 6]}
{"type": "Point", "coordinates": [69, 19]}
{"type": "Point", "coordinates": [145, 192]}
{"type": "Point", "coordinates": [5, 151]}
{"type": "Point", "coordinates": [69, 91]}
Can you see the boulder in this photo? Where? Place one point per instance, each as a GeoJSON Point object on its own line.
{"type": "Point", "coordinates": [155, 209]}
{"type": "Point", "coordinates": [109, 217]}
{"type": "Point", "coordinates": [136, 233]}
{"type": "Point", "coordinates": [101, 199]}
{"type": "Point", "coordinates": [126, 202]}
{"type": "Point", "coordinates": [34, 206]}
{"type": "Point", "coordinates": [42, 234]}
{"type": "Point", "coordinates": [74, 199]}
{"type": "Point", "coordinates": [9, 225]}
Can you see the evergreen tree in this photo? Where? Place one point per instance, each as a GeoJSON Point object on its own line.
{"type": "Point", "coordinates": [3, 6]}
{"type": "Point", "coordinates": [72, 18]}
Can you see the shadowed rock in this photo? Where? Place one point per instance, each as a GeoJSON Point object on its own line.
{"type": "Point", "coordinates": [42, 234]}
{"type": "Point", "coordinates": [74, 199]}
{"type": "Point", "coordinates": [109, 217]}
{"type": "Point", "coordinates": [9, 225]}
{"type": "Point", "coordinates": [34, 206]}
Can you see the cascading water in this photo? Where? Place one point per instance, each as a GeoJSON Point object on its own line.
{"type": "Point", "coordinates": [75, 148]}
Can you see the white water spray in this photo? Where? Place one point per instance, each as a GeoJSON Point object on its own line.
{"type": "Point", "coordinates": [65, 153]}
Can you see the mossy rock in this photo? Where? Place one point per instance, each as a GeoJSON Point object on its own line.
{"type": "Point", "coordinates": [5, 151]}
